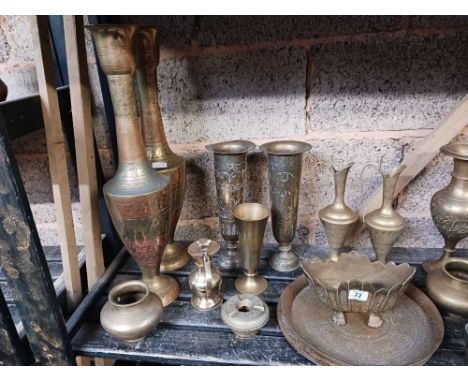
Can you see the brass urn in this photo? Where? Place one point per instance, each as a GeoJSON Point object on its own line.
{"type": "Point", "coordinates": [205, 280]}
{"type": "Point", "coordinates": [131, 312]}
{"type": "Point", "coordinates": [337, 218]}
{"type": "Point", "coordinates": [385, 224]}
{"type": "Point", "coordinates": [449, 206]}
{"type": "Point", "coordinates": [138, 198]}
{"type": "Point", "coordinates": [158, 152]}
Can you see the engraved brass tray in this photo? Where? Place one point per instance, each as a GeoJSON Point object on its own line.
{"type": "Point", "coordinates": [411, 332]}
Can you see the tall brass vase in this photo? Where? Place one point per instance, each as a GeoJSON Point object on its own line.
{"type": "Point", "coordinates": [284, 169]}
{"type": "Point", "coordinates": [449, 206]}
{"type": "Point", "coordinates": [161, 157]}
{"type": "Point", "coordinates": [337, 218]}
{"type": "Point", "coordinates": [385, 224]}
{"type": "Point", "coordinates": [137, 197]}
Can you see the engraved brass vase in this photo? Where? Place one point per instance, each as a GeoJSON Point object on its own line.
{"type": "Point", "coordinates": [138, 198]}
{"type": "Point", "coordinates": [131, 312]}
{"type": "Point", "coordinates": [230, 163]}
{"type": "Point", "coordinates": [449, 206]}
{"type": "Point", "coordinates": [447, 286]}
{"type": "Point", "coordinates": [205, 280]}
{"type": "Point", "coordinates": [385, 224]}
{"type": "Point", "coordinates": [158, 152]}
{"type": "Point", "coordinates": [284, 169]}
{"type": "Point", "coordinates": [337, 218]}
{"type": "Point", "coordinates": [251, 220]}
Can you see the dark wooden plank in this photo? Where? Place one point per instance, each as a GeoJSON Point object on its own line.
{"type": "Point", "coordinates": [11, 351]}
{"type": "Point", "coordinates": [175, 346]}
{"type": "Point", "coordinates": [55, 270]}
{"type": "Point", "coordinates": [25, 266]}
{"type": "Point", "coordinates": [23, 116]}
{"type": "Point", "coordinates": [443, 357]}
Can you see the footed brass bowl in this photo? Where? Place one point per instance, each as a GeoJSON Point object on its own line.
{"type": "Point", "coordinates": [354, 284]}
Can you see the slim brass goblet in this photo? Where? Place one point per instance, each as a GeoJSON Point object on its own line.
{"type": "Point", "coordinates": [251, 220]}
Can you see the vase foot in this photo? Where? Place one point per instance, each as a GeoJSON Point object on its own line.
{"type": "Point", "coordinates": [430, 266]}
{"type": "Point", "coordinates": [284, 261]}
{"type": "Point", "coordinates": [229, 258]}
{"type": "Point", "coordinates": [251, 284]}
{"type": "Point", "coordinates": [165, 287]}
{"type": "Point", "coordinates": [175, 257]}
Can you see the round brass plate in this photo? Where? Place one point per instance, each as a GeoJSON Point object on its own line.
{"type": "Point", "coordinates": [412, 331]}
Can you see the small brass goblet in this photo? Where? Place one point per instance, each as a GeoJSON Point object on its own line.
{"type": "Point", "coordinates": [251, 220]}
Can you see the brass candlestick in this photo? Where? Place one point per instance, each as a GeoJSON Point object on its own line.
{"type": "Point", "coordinates": [158, 152]}
{"type": "Point", "coordinates": [251, 220]}
{"type": "Point", "coordinates": [230, 162]}
{"type": "Point", "coordinates": [137, 197]}
{"type": "Point", "coordinates": [284, 169]}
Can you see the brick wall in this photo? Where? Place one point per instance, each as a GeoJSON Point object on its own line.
{"type": "Point", "coordinates": [362, 87]}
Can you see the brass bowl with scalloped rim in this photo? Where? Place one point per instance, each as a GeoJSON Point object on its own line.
{"type": "Point", "coordinates": [354, 284]}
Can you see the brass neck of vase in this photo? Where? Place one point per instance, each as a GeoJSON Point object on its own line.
{"type": "Point", "coordinates": [147, 85]}
{"type": "Point", "coordinates": [115, 46]}
{"type": "Point", "coordinates": [340, 184]}
{"type": "Point", "coordinates": [390, 181]}
{"type": "Point", "coordinates": [459, 181]}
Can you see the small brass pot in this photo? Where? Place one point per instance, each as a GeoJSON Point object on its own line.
{"type": "Point", "coordinates": [447, 286]}
{"type": "Point", "coordinates": [131, 312]}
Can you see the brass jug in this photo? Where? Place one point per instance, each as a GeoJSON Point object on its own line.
{"type": "Point", "coordinates": [449, 206]}
{"type": "Point", "coordinates": [337, 218]}
{"type": "Point", "coordinates": [158, 152]}
{"type": "Point", "coordinates": [205, 280]}
{"type": "Point", "coordinates": [385, 224]}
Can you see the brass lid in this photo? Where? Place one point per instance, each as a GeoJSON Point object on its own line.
{"type": "Point", "coordinates": [196, 248]}
{"type": "Point", "coordinates": [456, 149]}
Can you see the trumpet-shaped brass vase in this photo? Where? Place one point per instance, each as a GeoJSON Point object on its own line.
{"type": "Point", "coordinates": [230, 163]}
{"type": "Point", "coordinates": [284, 169]}
{"type": "Point", "coordinates": [385, 224]}
{"type": "Point", "coordinates": [337, 218]}
{"type": "Point", "coordinates": [449, 206]}
{"type": "Point", "coordinates": [251, 220]}
{"type": "Point", "coordinates": [158, 152]}
{"type": "Point", "coordinates": [205, 280]}
{"type": "Point", "coordinates": [139, 199]}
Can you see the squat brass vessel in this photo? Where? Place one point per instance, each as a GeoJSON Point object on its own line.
{"type": "Point", "coordinates": [230, 163]}
{"type": "Point", "coordinates": [447, 286]}
{"type": "Point", "coordinates": [449, 206]}
{"type": "Point", "coordinates": [139, 199]}
{"type": "Point", "coordinates": [158, 152]}
{"type": "Point", "coordinates": [205, 280]}
{"type": "Point", "coordinates": [131, 312]}
{"type": "Point", "coordinates": [385, 224]}
{"type": "Point", "coordinates": [251, 220]}
{"type": "Point", "coordinates": [337, 218]}
{"type": "Point", "coordinates": [284, 168]}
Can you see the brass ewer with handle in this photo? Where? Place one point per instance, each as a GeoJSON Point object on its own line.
{"type": "Point", "coordinates": [284, 170]}
{"type": "Point", "coordinates": [205, 280]}
{"type": "Point", "coordinates": [337, 218]}
{"type": "Point", "coordinates": [449, 206]}
{"type": "Point", "coordinates": [158, 152]}
{"type": "Point", "coordinates": [385, 224]}
{"type": "Point", "coordinates": [251, 220]}
{"type": "Point", "coordinates": [230, 164]}
{"type": "Point", "coordinates": [139, 199]}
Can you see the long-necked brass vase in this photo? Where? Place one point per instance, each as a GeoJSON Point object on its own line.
{"type": "Point", "coordinates": [139, 199]}
{"type": "Point", "coordinates": [449, 206]}
{"type": "Point", "coordinates": [230, 163]}
{"type": "Point", "coordinates": [385, 224]}
{"type": "Point", "coordinates": [284, 169]}
{"type": "Point", "coordinates": [337, 218]}
{"type": "Point", "coordinates": [158, 152]}
{"type": "Point", "coordinates": [251, 220]}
